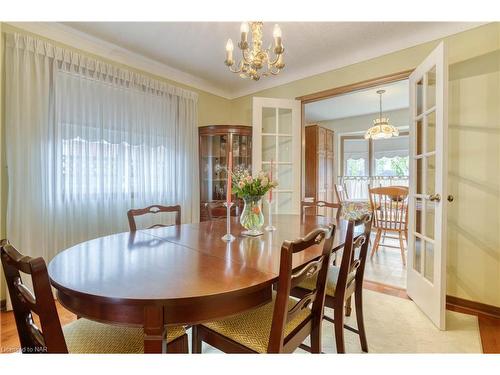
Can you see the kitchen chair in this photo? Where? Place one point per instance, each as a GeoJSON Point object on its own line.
{"type": "Point", "coordinates": [345, 281]}
{"type": "Point", "coordinates": [131, 214]}
{"type": "Point", "coordinates": [390, 215]}
{"type": "Point", "coordinates": [80, 336]}
{"type": "Point", "coordinates": [281, 325]}
{"type": "Point", "coordinates": [308, 207]}
{"type": "Point", "coordinates": [341, 193]}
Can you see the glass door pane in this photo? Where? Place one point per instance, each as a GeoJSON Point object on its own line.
{"type": "Point", "coordinates": [277, 150]}
{"type": "Point", "coordinates": [276, 137]}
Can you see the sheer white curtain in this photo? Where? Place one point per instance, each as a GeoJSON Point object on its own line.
{"type": "Point", "coordinates": [87, 141]}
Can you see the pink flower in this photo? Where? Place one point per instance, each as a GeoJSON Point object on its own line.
{"type": "Point", "coordinates": [241, 184]}
{"type": "Point", "coordinates": [249, 179]}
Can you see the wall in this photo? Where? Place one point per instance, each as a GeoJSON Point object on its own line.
{"type": "Point", "coordinates": [474, 147]}
{"type": "Point", "coordinates": [474, 178]}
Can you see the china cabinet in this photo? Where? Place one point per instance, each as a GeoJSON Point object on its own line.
{"type": "Point", "coordinates": [215, 144]}
{"type": "Point", "coordinates": [319, 181]}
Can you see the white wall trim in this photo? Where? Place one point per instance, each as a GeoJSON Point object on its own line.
{"type": "Point", "coordinates": [77, 39]}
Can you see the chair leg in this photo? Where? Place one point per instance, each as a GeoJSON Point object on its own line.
{"type": "Point", "coordinates": [195, 341]}
{"type": "Point", "coordinates": [358, 303]}
{"type": "Point", "coordinates": [179, 345]}
{"type": "Point", "coordinates": [376, 243]}
{"type": "Point", "coordinates": [338, 314]}
{"type": "Point", "coordinates": [402, 245]}
{"type": "Point", "coordinates": [348, 308]}
{"type": "Point", "coordinates": [316, 337]}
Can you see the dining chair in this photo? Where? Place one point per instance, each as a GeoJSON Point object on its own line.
{"type": "Point", "coordinates": [281, 325]}
{"type": "Point", "coordinates": [217, 210]}
{"type": "Point", "coordinates": [344, 282]}
{"type": "Point", "coordinates": [390, 215]}
{"type": "Point", "coordinates": [154, 209]}
{"type": "Point", "coordinates": [80, 336]}
{"type": "Point", "coordinates": [341, 192]}
{"type": "Point", "coordinates": [312, 207]}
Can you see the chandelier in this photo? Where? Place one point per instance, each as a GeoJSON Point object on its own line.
{"type": "Point", "coordinates": [381, 128]}
{"type": "Point", "coordinates": [256, 58]}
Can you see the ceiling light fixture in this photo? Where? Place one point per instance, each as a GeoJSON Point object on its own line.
{"type": "Point", "coordinates": [256, 58]}
{"type": "Point", "coordinates": [381, 128]}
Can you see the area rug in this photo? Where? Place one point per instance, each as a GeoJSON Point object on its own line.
{"type": "Point", "coordinates": [396, 325]}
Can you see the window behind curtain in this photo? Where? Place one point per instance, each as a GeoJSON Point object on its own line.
{"type": "Point", "coordinates": [114, 143]}
{"type": "Point", "coordinates": [356, 157]}
{"type": "Point", "coordinates": [391, 157]}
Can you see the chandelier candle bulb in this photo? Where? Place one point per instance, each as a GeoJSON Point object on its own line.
{"type": "Point", "coordinates": [277, 35]}
{"type": "Point", "coordinates": [244, 28]}
{"type": "Point", "coordinates": [229, 52]}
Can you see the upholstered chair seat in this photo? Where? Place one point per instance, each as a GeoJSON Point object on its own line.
{"type": "Point", "coordinates": [88, 337]}
{"type": "Point", "coordinates": [333, 275]}
{"type": "Point", "coordinates": [252, 328]}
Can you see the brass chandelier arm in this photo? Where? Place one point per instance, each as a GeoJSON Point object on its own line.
{"type": "Point", "coordinates": [235, 70]}
{"type": "Point", "coordinates": [277, 57]}
{"type": "Point", "coordinates": [245, 58]}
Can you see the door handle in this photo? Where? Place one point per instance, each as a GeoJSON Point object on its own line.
{"type": "Point", "coordinates": [435, 198]}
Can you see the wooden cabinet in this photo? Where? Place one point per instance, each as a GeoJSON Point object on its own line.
{"type": "Point", "coordinates": [320, 164]}
{"type": "Point", "coordinates": [215, 143]}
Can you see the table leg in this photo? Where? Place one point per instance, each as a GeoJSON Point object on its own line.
{"type": "Point", "coordinates": [154, 330]}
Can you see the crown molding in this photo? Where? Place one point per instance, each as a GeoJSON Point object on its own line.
{"type": "Point", "coordinates": [80, 40]}
{"type": "Point", "coordinates": [361, 55]}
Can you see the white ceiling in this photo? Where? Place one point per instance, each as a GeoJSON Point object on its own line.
{"type": "Point", "coordinates": [193, 52]}
{"type": "Point", "coordinates": [359, 103]}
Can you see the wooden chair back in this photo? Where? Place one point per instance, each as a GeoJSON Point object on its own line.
{"type": "Point", "coordinates": [352, 262]}
{"type": "Point", "coordinates": [341, 192]}
{"type": "Point", "coordinates": [311, 208]}
{"type": "Point", "coordinates": [50, 338]}
{"type": "Point", "coordinates": [217, 210]}
{"type": "Point", "coordinates": [288, 280]}
{"type": "Point", "coordinates": [390, 208]}
{"type": "Point", "coordinates": [131, 214]}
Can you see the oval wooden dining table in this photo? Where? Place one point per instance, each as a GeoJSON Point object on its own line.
{"type": "Point", "coordinates": [177, 275]}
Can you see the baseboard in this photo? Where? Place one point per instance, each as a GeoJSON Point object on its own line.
{"type": "Point", "coordinates": [3, 305]}
{"type": "Point", "coordinates": [472, 307]}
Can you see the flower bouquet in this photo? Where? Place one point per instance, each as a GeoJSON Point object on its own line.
{"type": "Point", "coordinates": [251, 190]}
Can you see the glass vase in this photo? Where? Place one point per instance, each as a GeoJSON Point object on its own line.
{"type": "Point", "coordinates": [252, 218]}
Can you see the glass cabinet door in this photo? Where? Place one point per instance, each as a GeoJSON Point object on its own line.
{"type": "Point", "coordinates": [213, 164]}
{"type": "Point", "coordinates": [242, 151]}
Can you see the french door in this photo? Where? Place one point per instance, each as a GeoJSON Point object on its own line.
{"type": "Point", "coordinates": [276, 141]}
{"type": "Point", "coordinates": [426, 284]}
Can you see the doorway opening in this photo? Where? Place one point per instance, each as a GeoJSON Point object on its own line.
{"type": "Point", "coordinates": [348, 165]}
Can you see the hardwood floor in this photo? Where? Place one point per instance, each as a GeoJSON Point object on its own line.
{"type": "Point", "coordinates": [9, 341]}
{"type": "Point", "coordinates": [489, 327]}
